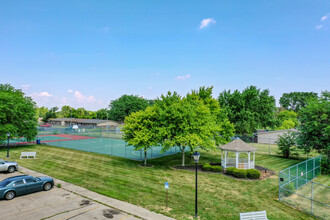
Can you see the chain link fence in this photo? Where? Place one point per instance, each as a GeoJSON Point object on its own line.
{"type": "Point", "coordinates": [96, 140]}
{"type": "Point", "coordinates": [297, 189]}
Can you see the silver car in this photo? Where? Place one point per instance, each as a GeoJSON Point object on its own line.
{"type": "Point", "coordinates": [8, 166]}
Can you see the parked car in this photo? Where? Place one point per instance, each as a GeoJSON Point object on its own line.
{"type": "Point", "coordinates": [46, 125]}
{"type": "Point", "coordinates": [8, 166]}
{"type": "Point", "coordinates": [24, 184]}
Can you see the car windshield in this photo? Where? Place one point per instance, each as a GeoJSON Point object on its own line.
{"type": "Point", "coordinates": [5, 183]}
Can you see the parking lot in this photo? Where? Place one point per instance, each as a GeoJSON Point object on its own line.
{"type": "Point", "coordinates": [56, 204]}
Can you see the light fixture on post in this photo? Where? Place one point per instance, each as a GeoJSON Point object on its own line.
{"type": "Point", "coordinates": [8, 136]}
{"type": "Point", "coordinates": [196, 158]}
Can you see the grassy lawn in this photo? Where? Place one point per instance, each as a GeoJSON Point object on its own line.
{"type": "Point", "coordinates": [272, 149]}
{"type": "Point", "coordinates": [220, 197]}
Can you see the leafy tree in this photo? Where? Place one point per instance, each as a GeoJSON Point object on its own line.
{"type": "Point", "coordinates": [41, 112]}
{"type": "Point", "coordinates": [295, 101]}
{"type": "Point", "coordinates": [314, 129]}
{"type": "Point", "coordinates": [226, 128]}
{"type": "Point", "coordinates": [125, 105]}
{"type": "Point", "coordinates": [287, 145]}
{"type": "Point", "coordinates": [190, 121]}
{"type": "Point", "coordinates": [249, 110]}
{"type": "Point", "coordinates": [81, 113]}
{"type": "Point", "coordinates": [91, 115]}
{"type": "Point", "coordinates": [287, 119]}
{"type": "Point", "coordinates": [102, 114]}
{"type": "Point", "coordinates": [67, 111]}
{"type": "Point", "coordinates": [52, 113]}
{"type": "Point", "coordinates": [140, 130]}
{"type": "Point", "coordinates": [17, 114]}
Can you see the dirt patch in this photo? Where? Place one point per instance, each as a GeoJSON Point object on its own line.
{"type": "Point", "coordinates": [84, 202]}
{"type": "Point", "coordinates": [265, 172]}
{"type": "Point", "coordinates": [109, 213]}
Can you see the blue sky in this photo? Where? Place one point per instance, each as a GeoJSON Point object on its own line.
{"type": "Point", "coordinates": [86, 53]}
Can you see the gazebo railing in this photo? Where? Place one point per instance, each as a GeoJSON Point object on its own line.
{"type": "Point", "coordinates": [243, 163]}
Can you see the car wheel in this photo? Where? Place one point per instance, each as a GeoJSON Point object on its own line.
{"type": "Point", "coordinates": [10, 195]}
{"type": "Point", "coordinates": [11, 169]}
{"type": "Point", "coordinates": [47, 186]}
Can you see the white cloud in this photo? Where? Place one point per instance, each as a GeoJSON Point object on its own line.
{"type": "Point", "coordinates": [25, 87]}
{"type": "Point", "coordinates": [80, 98]}
{"type": "Point", "coordinates": [70, 91]}
{"type": "Point", "coordinates": [206, 22]}
{"type": "Point", "coordinates": [42, 94]}
{"type": "Point", "coordinates": [318, 27]}
{"type": "Point", "coordinates": [325, 17]}
{"type": "Point", "coordinates": [183, 77]}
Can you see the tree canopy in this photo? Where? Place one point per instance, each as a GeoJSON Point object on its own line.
{"type": "Point", "coordinates": [295, 101]}
{"type": "Point", "coordinates": [192, 121]}
{"type": "Point", "coordinates": [249, 110]}
{"type": "Point", "coordinates": [314, 129]}
{"type": "Point", "coordinates": [125, 105]}
{"type": "Point", "coordinates": [287, 119]}
{"type": "Point", "coordinates": [140, 130]}
{"type": "Point", "coordinates": [17, 114]}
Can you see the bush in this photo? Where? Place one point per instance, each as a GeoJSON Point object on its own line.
{"type": "Point", "coordinates": [230, 170]}
{"type": "Point", "coordinates": [253, 174]}
{"type": "Point", "coordinates": [240, 173]}
{"type": "Point", "coordinates": [325, 166]}
{"type": "Point", "coordinates": [286, 145]}
{"type": "Point", "coordinates": [207, 167]}
{"type": "Point", "coordinates": [216, 168]}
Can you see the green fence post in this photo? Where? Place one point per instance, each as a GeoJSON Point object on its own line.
{"type": "Point", "coordinates": [312, 199]}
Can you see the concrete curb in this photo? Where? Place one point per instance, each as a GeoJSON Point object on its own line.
{"type": "Point", "coordinates": [117, 204]}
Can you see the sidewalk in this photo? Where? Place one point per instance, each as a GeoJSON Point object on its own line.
{"type": "Point", "coordinates": [114, 203]}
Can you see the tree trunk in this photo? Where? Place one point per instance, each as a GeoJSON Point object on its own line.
{"type": "Point", "coordinates": [145, 156]}
{"type": "Point", "coordinates": [183, 154]}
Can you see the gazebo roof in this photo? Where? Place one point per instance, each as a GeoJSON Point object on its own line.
{"type": "Point", "coordinates": [238, 145]}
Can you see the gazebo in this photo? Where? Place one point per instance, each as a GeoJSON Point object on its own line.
{"type": "Point", "coordinates": [237, 146]}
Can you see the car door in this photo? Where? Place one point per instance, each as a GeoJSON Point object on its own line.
{"type": "Point", "coordinates": [20, 187]}
{"type": "Point", "coordinates": [3, 166]}
{"type": "Point", "coordinates": [35, 184]}
{"type": "Point", "coordinates": [31, 186]}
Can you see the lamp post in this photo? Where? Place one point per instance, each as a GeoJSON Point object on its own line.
{"type": "Point", "coordinates": [8, 136]}
{"type": "Point", "coordinates": [196, 158]}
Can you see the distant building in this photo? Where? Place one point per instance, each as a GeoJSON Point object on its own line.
{"type": "Point", "coordinates": [270, 137]}
{"type": "Point", "coordinates": [83, 122]}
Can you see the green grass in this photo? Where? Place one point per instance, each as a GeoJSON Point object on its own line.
{"type": "Point", "coordinates": [272, 149]}
{"type": "Point", "coordinates": [220, 197]}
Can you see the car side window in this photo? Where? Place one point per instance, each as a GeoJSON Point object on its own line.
{"type": "Point", "coordinates": [1, 162]}
{"type": "Point", "coordinates": [19, 182]}
{"type": "Point", "coordinates": [29, 180]}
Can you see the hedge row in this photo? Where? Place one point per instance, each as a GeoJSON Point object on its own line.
{"type": "Point", "coordinates": [241, 173]}
{"type": "Point", "coordinates": [208, 167]}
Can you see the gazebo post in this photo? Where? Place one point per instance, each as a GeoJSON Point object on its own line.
{"type": "Point", "coordinates": [249, 160]}
{"type": "Point", "coordinates": [237, 159]}
{"type": "Point", "coordinates": [254, 156]}
{"type": "Point", "coordinates": [225, 159]}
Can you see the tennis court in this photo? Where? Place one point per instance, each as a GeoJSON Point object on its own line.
{"type": "Point", "coordinates": [113, 147]}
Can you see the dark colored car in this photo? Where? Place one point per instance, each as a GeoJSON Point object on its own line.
{"type": "Point", "coordinates": [24, 184]}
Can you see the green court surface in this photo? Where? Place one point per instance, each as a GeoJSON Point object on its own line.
{"type": "Point", "coordinates": [114, 147]}
{"type": "Point", "coordinates": [42, 138]}
{"type": "Point", "coordinates": [50, 138]}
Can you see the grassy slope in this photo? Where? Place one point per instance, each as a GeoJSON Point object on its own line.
{"type": "Point", "coordinates": [220, 197]}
